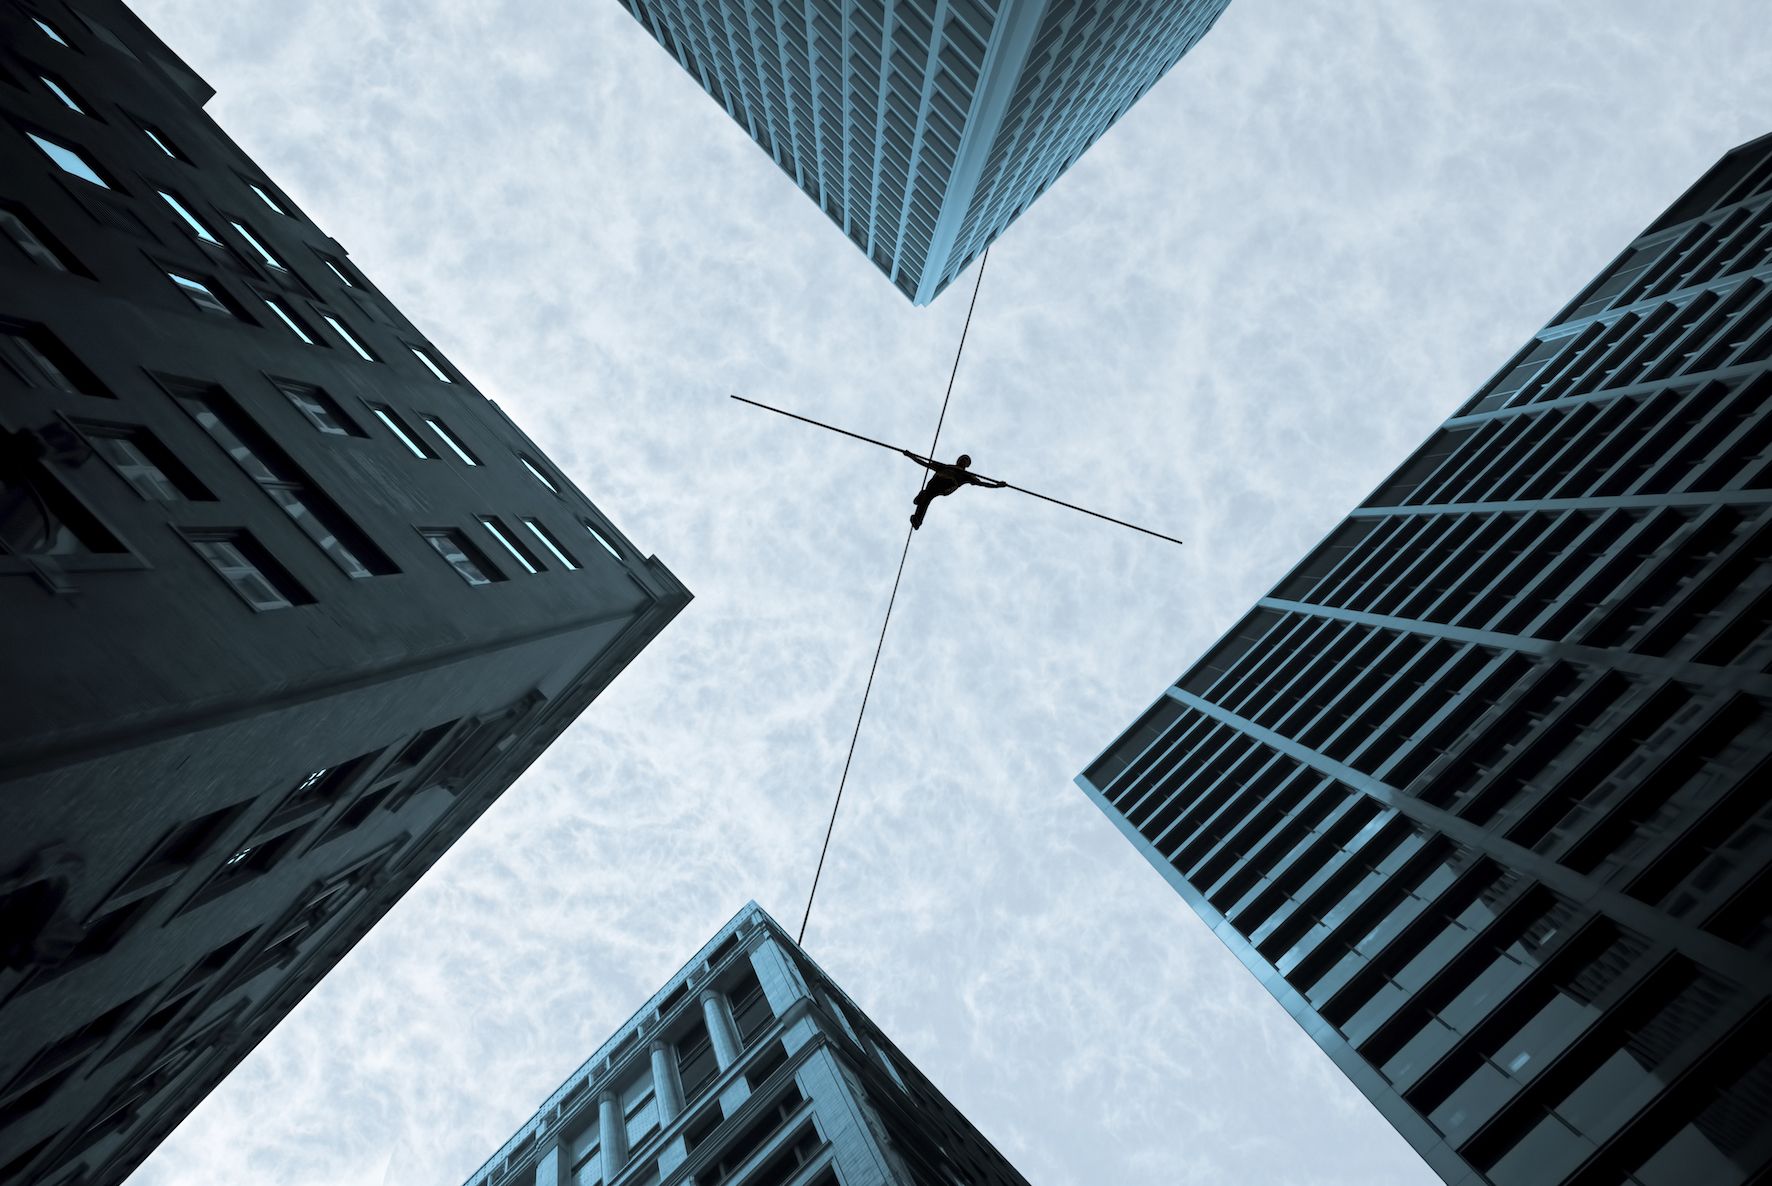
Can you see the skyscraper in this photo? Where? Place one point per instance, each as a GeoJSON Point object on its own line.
{"type": "Point", "coordinates": [923, 128]}
{"type": "Point", "coordinates": [749, 1066]}
{"type": "Point", "coordinates": [285, 603]}
{"type": "Point", "coordinates": [1479, 791]}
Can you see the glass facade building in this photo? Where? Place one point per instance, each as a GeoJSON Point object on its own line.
{"type": "Point", "coordinates": [1480, 790]}
{"type": "Point", "coordinates": [285, 602]}
{"type": "Point", "coordinates": [749, 1067]}
{"type": "Point", "coordinates": [923, 128]}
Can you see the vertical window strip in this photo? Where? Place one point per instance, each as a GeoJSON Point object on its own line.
{"type": "Point", "coordinates": [68, 160]}
{"type": "Point", "coordinates": [283, 316]}
{"type": "Point", "coordinates": [264, 253]}
{"type": "Point", "coordinates": [551, 544]}
{"type": "Point", "coordinates": [351, 341]}
{"type": "Point", "coordinates": [394, 425]}
{"type": "Point", "coordinates": [191, 220]}
{"type": "Point", "coordinates": [448, 438]}
{"type": "Point", "coordinates": [496, 531]}
{"type": "Point", "coordinates": [430, 364]}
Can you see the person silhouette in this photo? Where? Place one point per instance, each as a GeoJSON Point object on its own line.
{"type": "Point", "coordinates": [944, 479]}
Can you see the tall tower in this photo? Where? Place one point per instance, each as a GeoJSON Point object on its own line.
{"type": "Point", "coordinates": [285, 603]}
{"type": "Point", "coordinates": [1479, 791]}
{"type": "Point", "coordinates": [749, 1066]}
{"type": "Point", "coordinates": [923, 128]}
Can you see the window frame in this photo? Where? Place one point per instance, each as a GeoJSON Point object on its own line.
{"type": "Point", "coordinates": [402, 432]}
{"type": "Point", "coordinates": [477, 560]}
{"type": "Point", "coordinates": [291, 593]}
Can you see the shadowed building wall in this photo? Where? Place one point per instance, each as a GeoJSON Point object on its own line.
{"type": "Point", "coordinates": [923, 128]}
{"type": "Point", "coordinates": [285, 603]}
{"type": "Point", "coordinates": [1479, 791]}
{"type": "Point", "coordinates": [749, 1067]}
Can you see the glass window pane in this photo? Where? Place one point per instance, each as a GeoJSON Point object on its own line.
{"type": "Point", "coordinates": [1543, 1156]}
{"type": "Point", "coordinates": [160, 142]}
{"type": "Point", "coordinates": [191, 220]}
{"type": "Point", "coordinates": [448, 438]}
{"type": "Point", "coordinates": [1419, 1053]}
{"type": "Point", "coordinates": [321, 412]}
{"type": "Point", "coordinates": [136, 468]}
{"type": "Point", "coordinates": [283, 316]}
{"type": "Point", "coordinates": [201, 295]}
{"type": "Point", "coordinates": [61, 93]}
{"type": "Point", "coordinates": [29, 241]}
{"type": "Point", "coordinates": [1483, 993]}
{"type": "Point", "coordinates": [350, 341]}
{"type": "Point", "coordinates": [600, 538]}
{"type": "Point", "coordinates": [68, 160]}
{"type": "Point", "coordinates": [264, 253]}
{"type": "Point", "coordinates": [1609, 1096]}
{"type": "Point", "coordinates": [1538, 1041]}
{"type": "Point", "coordinates": [266, 198]}
{"type": "Point", "coordinates": [33, 366]}
{"type": "Point", "coordinates": [227, 559]}
{"type": "Point", "coordinates": [497, 533]}
{"type": "Point", "coordinates": [447, 547]}
{"type": "Point", "coordinates": [539, 476]}
{"type": "Point", "coordinates": [399, 430]}
{"type": "Point", "coordinates": [314, 528]}
{"type": "Point", "coordinates": [49, 30]}
{"type": "Point", "coordinates": [430, 364]}
{"type": "Point", "coordinates": [1472, 1103]}
{"type": "Point", "coordinates": [550, 543]}
{"type": "Point", "coordinates": [1688, 1158]}
{"type": "Point", "coordinates": [1374, 1013]}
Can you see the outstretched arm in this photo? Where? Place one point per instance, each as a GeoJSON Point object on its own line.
{"type": "Point", "coordinates": [925, 462]}
{"type": "Point", "coordinates": [987, 483]}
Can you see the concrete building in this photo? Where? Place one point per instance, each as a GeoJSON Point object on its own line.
{"type": "Point", "coordinates": [1479, 791]}
{"type": "Point", "coordinates": [285, 603]}
{"type": "Point", "coordinates": [923, 128]}
{"type": "Point", "coordinates": [749, 1067]}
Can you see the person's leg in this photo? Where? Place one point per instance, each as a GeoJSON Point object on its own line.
{"type": "Point", "coordinates": [922, 501]}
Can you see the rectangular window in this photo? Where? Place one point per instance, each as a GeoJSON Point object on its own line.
{"type": "Point", "coordinates": [50, 31]}
{"type": "Point", "coordinates": [144, 462]}
{"type": "Point", "coordinates": [69, 160]}
{"type": "Point", "coordinates": [288, 319]}
{"type": "Point", "coordinates": [318, 517]}
{"type": "Point", "coordinates": [401, 430]}
{"type": "Point", "coordinates": [449, 438]}
{"type": "Point", "coordinates": [511, 544]}
{"type": "Point", "coordinates": [40, 360]}
{"type": "Point", "coordinates": [60, 91]}
{"type": "Point", "coordinates": [264, 253]}
{"type": "Point", "coordinates": [321, 410]}
{"type": "Point", "coordinates": [469, 562]}
{"type": "Point", "coordinates": [430, 364]}
{"type": "Point", "coordinates": [266, 198]}
{"type": "Point", "coordinates": [197, 225]}
{"type": "Point", "coordinates": [203, 294]}
{"type": "Point", "coordinates": [38, 246]}
{"type": "Point", "coordinates": [551, 544]}
{"type": "Point", "coordinates": [249, 569]}
{"type": "Point", "coordinates": [353, 343]}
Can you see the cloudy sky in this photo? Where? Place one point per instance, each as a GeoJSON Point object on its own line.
{"type": "Point", "coordinates": [1240, 309]}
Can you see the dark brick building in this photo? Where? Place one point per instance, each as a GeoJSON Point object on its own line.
{"type": "Point", "coordinates": [1480, 790]}
{"type": "Point", "coordinates": [749, 1066]}
{"type": "Point", "coordinates": [285, 603]}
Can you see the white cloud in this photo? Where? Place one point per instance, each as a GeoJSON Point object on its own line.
{"type": "Point", "coordinates": [1230, 320]}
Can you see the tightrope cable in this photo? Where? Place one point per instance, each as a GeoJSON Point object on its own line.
{"type": "Point", "coordinates": [890, 601]}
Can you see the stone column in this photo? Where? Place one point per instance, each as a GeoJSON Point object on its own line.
{"type": "Point", "coordinates": [722, 1033]}
{"type": "Point", "coordinates": [666, 1087]}
{"type": "Point", "coordinates": [612, 1135]}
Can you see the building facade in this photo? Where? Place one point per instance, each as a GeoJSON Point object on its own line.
{"type": "Point", "coordinates": [285, 603]}
{"type": "Point", "coordinates": [923, 128]}
{"type": "Point", "coordinates": [1479, 791]}
{"type": "Point", "coordinates": [752, 1068]}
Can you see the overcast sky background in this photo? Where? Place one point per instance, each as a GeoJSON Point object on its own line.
{"type": "Point", "coordinates": [1230, 320]}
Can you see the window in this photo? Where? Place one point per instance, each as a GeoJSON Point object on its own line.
{"type": "Point", "coordinates": [61, 92]}
{"type": "Point", "coordinates": [30, 238]}
{"type": "Point", "coordinates": [69, 160]}
{"type": "Point", "coordinates": [198, 227]}
{"type": "Point", "coordinates": [260, 581]}
{"type": "Point", "coordinates": [511, 544]}
{"type": "Point", "coordinates": [551, 544]}
{"type": "Point", "coordinates": [405, 434]}
{"type": "Point", "coordinates": [40, 360]}
{"type": "Point", "coordinates": [338, 269]}
{"type": "Point", "coordinates": [50, 31]}
{"type": "Point", "coordinates": [449, 438]}
{"type": "Point", "coordinates": [697, 1067]}
{"type": "Point", "coordinates": [750, 1008]}
{"type": "Point", "coordinates": [640, 1112]}
{"type": "Point", "coordinates": [601, 539]}
{"type": "Point", "coordinates": [321, 410]}
{"type": "Point", "coordinates": [353, 343]}
{"type": "Point", "coordinates": [39, 517]}
{"type": "Point", "coordinates": [144, 462]}
{"type": "Point", "coordinates": [430, 364]}
{"type": "Point", "coordinates": [469, 563]}
{"type": "Point", "coordinates": [162, 141]}
{"type": "Point", "coordinates": [753, 1138]}
{"type": "Point", "coordinates": [266, 198]}
{"type": "Point", "coordinates": [264, 253]}
{"type": "Point", "coordinates": [540, 475]}
{"type": "Point", "coordinates": [204, 294]}
{"type": "Point", "coordinates": [287, 318]}
{"type": "Point", "coordinates": [318, 517]}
